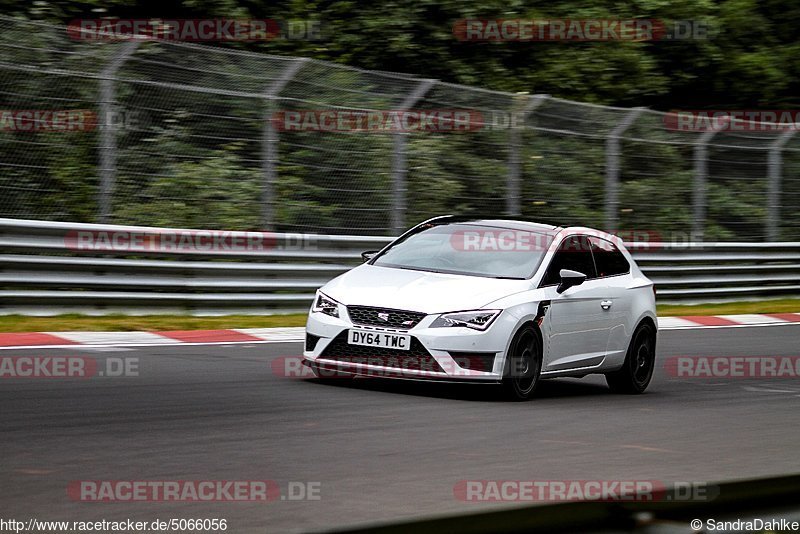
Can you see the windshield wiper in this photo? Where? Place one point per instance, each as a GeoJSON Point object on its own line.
{"type": "Point", "coordinates": [440, 271]}
{"type": "Point", "coordinates": [407, 268]}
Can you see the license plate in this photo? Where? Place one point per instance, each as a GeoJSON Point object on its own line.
{"type": "Point", "coordinates": [379, 339]}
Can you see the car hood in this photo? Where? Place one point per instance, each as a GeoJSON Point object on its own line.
{"type": "Point", "coordinates": [403, 289]}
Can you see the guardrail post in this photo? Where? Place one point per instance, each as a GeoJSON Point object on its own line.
{"type": "Point", "coordinates": [399, 170]}
{"type": "Point", "coordinates": [515, 144]}
{"type": "Point", "coordinates": [269, 144]}
{"type": "Point", "coordinates": [612, 168]}
{"type": "Point", "coordinates": [700, 188]}
{"type": "Point", "coordinates": [774, 170]}
{"type": "Point", "coordinates": [108, 134]}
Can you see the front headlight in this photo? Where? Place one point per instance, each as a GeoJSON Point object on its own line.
{"type": "Point", "coordinates": [476, 319]}
{"type": "Point", "coordinates": [324, 304]}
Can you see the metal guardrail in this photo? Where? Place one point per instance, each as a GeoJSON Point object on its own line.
{"type": "Point", "coordinates": [43, 271]}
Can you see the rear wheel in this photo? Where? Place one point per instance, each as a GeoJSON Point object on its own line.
{"type": "Point", "coordinates": [637, 371]}
{"type": "Point", "coordinates": [523, 365]}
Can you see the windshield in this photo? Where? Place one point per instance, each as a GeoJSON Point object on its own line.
{"type": "Point", "coordinates": [469, 249]}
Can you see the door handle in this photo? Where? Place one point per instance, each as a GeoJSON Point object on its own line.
{"type": "Point", "coordinates": [606, 304]}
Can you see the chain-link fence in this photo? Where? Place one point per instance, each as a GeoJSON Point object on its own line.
{"type": "Point", "coordinates": [183, 135]}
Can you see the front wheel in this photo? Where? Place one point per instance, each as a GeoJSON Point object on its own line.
{"type": "Point", "coordinates": [523, 365]}
{"type": "Point", "coordinates": [637, 371]}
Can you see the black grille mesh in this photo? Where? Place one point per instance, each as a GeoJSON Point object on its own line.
{"type": "Point", "coordinates": [417, 358]}
{"type": "Point", "coordinates": [366, 315]}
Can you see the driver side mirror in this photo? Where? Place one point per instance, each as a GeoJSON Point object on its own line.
{"type": "Point", "coordinates": [368, 255]}
{"type": "Point", "coordinates": [569, 279]}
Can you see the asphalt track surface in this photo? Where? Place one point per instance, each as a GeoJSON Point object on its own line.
{"type": "Point", "coordinates": [382, 451]}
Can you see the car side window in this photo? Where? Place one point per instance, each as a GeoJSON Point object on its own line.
{"type": "Point", "coordinates": [608, 258]}
{"type": "Point", "coordinates": [574, 253]}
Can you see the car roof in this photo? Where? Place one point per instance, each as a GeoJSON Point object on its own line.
{"type": "Point", "coordinates": [516, 223]}
{"type": "Point", "coordinates": [499, 222]}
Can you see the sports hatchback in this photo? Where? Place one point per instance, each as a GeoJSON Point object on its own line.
{"type": "Point", "coordinates": [489, 300]}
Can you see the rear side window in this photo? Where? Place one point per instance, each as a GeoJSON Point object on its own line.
{"type": "Point", "coordinates": [574, 254]}
{"type": "Point", "coordinates": [608, 258]}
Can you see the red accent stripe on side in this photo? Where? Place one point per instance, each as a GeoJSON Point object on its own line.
{"type": "Point", "coordinates": [32, 338]}
{"type": "Point", "coordinates": [207, 336]}
{"type": "Point", "coordinates": [709, 320]}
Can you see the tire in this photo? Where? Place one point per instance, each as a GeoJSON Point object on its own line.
{"type": "Point", "coordinates": [327, 375]}
{"type": "Point", "coordinates": [637, 371]}
{"type": "Point", "coordinates": [523, 365]}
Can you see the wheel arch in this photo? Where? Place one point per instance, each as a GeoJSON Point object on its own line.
{"type": "Point", "coordinates": [532, 322]}
{"type": "Point", "coordinates": [649, 321]}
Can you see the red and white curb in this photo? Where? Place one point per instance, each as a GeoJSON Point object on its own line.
{"type": "Point", "coordinates": [174, 337]}
{"type": "Point", "coordinates": [717, 321]}
{"type": "Point", "coordinates": [296, 334]}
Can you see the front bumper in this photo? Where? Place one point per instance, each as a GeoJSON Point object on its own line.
{"type": "Point", "coordinates": [449, 354]}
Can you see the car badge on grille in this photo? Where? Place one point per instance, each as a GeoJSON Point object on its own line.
{"type": "Point", "coordinates": [383, 316]}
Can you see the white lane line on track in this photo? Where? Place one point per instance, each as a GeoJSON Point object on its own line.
{"type": "Point", "coordinates": [646, 449]}
{"type": "Point", "coordinates": [106, 348]}
{"type": "Point", "coordinates": [768, 390]}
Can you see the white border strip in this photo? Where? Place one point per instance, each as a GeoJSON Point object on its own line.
{"type": "Point", "coordinates": [754, 318]}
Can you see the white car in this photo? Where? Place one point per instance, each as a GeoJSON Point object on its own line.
{"type": "Point", "coordinates": [489, 300]}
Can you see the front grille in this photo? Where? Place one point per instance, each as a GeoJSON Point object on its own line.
{"type": "Point", "coordinates": [417, 358]}
{"type": "Point", "coordinates": [385, 317]}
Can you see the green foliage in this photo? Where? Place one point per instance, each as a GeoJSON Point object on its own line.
{"type": "Point", "coordinates": [188, 167]}
{"type": "Point", "coordinates": [749, 60]}
{"type": "Point", "coordinates": [215, 192]}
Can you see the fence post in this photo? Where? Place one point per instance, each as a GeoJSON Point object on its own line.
{"type": "Point", "coordinates": [399, 171]}
{"type": "Point", "coordinates": [612, 168]}
{"type": "Point", "coordinates": [515, 144]}
{"type": "Point", "coordinates": [269, 144]}
{"type": "Point", "coordinates": [108, 133]}
{"type": "Point", "coordinates": [700, 189]}
{"type": "Point", "coordinates": [774, 170]}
